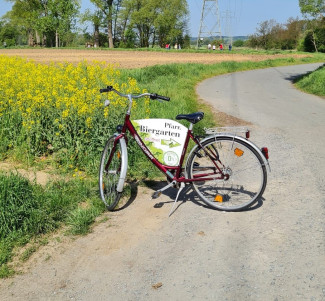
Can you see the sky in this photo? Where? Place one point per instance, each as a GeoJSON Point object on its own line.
{"type": "Point", "coordinates": [243, 15]}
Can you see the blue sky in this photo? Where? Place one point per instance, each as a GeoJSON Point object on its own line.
{"type": "Point", "coordinates": [245, 14]}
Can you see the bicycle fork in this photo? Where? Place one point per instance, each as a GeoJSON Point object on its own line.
{"type": "Point", "coordinates": [124, 163]}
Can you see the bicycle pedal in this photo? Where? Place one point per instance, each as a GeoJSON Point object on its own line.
{"type": "Point", "coordinates": [156, 195]}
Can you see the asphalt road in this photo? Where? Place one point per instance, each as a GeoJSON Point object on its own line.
{"type": "Point", "coordinates": [290, 241]}
{"type": "Point", "coordinates": [275, 251]}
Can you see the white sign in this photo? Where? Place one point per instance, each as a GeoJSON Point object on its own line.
{"type": "Point", "coordinates": [163, 137]}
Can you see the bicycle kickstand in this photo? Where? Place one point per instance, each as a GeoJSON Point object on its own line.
{"type": "Point", "coordinates": [179, 191]}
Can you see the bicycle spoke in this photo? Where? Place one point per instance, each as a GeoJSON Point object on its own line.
{"type": "Point", "coordinates": [243, 176]}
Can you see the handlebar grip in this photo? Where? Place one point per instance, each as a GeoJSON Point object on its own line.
{"type": "Point", "coordinates": [155, 96]}
{"type": "Point", "coordinates": [108, 89]}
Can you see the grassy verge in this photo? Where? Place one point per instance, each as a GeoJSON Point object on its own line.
{"type": "Point", "coordinates": [28, 210]}
{"type": "Point", "coordinates": [313, 83]}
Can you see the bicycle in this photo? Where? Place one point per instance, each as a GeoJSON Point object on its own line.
{"type": "Point", "coordinates": [227, 172]}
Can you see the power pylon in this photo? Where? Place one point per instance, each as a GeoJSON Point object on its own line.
{"type": "Point", "coordinates": [228, 16]}
{"type": "Point", "coordinates": [210, 20]}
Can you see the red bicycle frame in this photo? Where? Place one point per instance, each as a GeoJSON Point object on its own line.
{"type": "Point", "coordinates": [212, 154]}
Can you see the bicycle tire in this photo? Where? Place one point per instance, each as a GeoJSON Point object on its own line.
{"type": "Point", "coordinates": [244, 165]}
{"type": "Point", "coordinates": [109, 173]}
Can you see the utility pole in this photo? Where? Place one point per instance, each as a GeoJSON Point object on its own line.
{"type": "Point", "coordinates": [210, 21]}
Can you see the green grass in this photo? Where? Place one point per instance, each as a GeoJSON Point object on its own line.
{"type": "Point", "coordinates": [28, 210]}
{"type": "Point", "coordinates": [313, 82]}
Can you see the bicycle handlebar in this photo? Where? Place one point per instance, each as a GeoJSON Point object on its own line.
{"type": "Point", "coordinates": [151, 95]}
{"type": "Point", "coordinates": [155, 96]}
{"type": "Point", "coordinates": [108, 89]}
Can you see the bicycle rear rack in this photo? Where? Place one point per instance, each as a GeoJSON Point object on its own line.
{"type": "Point", "coordinates": [230, 130]}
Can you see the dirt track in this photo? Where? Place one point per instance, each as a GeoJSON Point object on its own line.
{"type": "Point", "coordinates": [133, 59]}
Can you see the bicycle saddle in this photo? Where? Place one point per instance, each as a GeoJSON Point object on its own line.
{"type": "Point", "coordinates": [193, 118]}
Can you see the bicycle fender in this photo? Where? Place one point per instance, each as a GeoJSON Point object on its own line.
{"type": "Point", "coordinates": [253, 145]}
{"type": "Point", "coordinates": [124, 165]}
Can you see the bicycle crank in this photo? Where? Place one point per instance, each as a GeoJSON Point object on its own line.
{"type": "Point", "coordinates": [157, 193]}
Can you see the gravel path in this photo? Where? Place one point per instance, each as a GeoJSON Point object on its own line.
{"type": "Point", "coordinates": [275, 251]}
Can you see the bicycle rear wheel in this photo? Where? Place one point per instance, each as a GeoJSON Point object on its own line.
{"type": "Point", "coordinates": [242, 177]}
{"type": "Point", "coordinates": [109, 173]}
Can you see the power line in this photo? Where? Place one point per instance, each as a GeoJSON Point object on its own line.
{"type": "Point", "coordinates": [210, 20]}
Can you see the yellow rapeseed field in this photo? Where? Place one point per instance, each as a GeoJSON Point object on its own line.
{"type": "Point", "coordinates": [57, 107]}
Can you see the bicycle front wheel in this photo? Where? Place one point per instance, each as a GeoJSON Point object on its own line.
{"type": "Point", "coordinates": [109, 173]}
{"type": "Point", "coordinates": [235, 171]}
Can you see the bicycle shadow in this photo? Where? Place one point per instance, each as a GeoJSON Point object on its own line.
{"type": "Point", "coordinates": [133, 186]}
{"type": "Point", "coordinates": [187, 195]}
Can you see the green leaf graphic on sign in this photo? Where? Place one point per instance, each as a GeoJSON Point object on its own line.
{"type": "Point", "coordinates": [171, 142]}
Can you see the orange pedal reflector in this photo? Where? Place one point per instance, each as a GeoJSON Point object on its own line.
{"type": "Point", "coordinates": [218, 198]}
{"type": "Point", "coordinates": [238, 152]}
{"type": "Point", "coordinates": [118, 155]}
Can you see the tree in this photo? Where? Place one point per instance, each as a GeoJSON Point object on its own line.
{"type": "Point", "coordinates": [293, 31]}
{"type": "Point", "coordinates": [314, 38]}
{"type": "Point", "coordinates": [125, 27]}
{"type": "Point", "coordinates": [238, 43]}
{"type": "Point", "coordinates": [106, 7]}
{"type": "Point", "coordinates": [62, 13]}
{"type": "Point", "coordinates": [171, 22]}
{"type": "Point", "coordinates": [24, 14]}
{"type": "Point", "coordinates": [96, 18]}
{"type": "Point", "coordinates": [142, 18]}
{"type": "Point", "coordinates": [9, 33]}
{"type": "Point", "coordinates": [264, 36]}
{"type": "Point", "coordinates": [312, 10]}
{"type": "Point", "coordinates": [43, 19]}
{"type": "Point", "coordinates": [155, 20]}
{"type": "Point", "coordinates": [272, 35]}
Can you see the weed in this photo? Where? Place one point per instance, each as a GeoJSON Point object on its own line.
{"type": "Point", "coordinates": [80, 220]}
{"type": "Point", "coordinates": [28, 253]}
{"type": "Point", "coordinates": [5, 271]}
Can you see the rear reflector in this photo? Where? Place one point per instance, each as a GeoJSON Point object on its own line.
{"type": "Point", "coordinates": [238, 152]}
{"type": "Point", "coordinates": [218, 198]}
{"type": "Point", "coordinates": [265, 152]}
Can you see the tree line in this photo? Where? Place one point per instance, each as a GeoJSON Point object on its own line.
{"type": "Point", "coordinates": [144, 23]}
{"type": "Point", "coordinates": [305, 35]}
{"type": "Point", "coordinates": [125, 23]}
